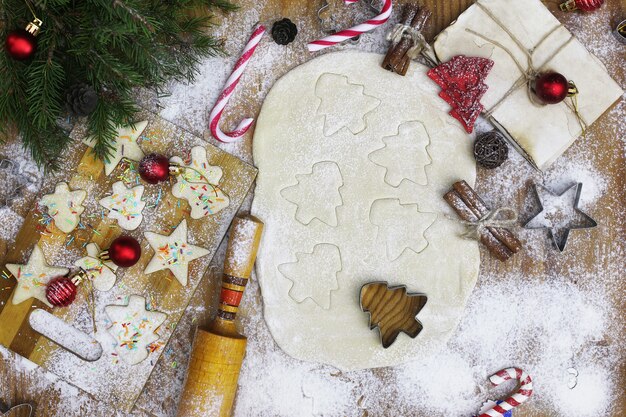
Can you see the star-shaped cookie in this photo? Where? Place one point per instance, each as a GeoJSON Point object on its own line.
{"type": "Point", "coordinates": [125, 205]}
{"type": "Point", "coordinates": [124, 146]}
{"type": "Point", "coordinates": [102, 273]}
{"type": "Point", "coordinates": [134, 328]}
{"type": "Point", "coordinates": [65, 206]}
{"type": "Point", "coordinates": [199, 184]}
{"type": "Point", "coordinates": [173, 252]}
{"type": "Point", "coordinates": [33, 277]}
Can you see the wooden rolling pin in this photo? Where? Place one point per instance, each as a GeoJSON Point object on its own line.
{"type": "Point", "coordinates": [218, 351]}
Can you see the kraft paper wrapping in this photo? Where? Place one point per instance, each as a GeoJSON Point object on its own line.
{"type": "Point", "coordinates": [498, 29]}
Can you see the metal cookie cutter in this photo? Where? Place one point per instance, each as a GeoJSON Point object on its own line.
{"type": "Point", "coordinates": [330, 22]}
{"type": "Point", "coordinates": [620, 31]}
{"type": "Point", "coordinates": [389, 314]}
{"type": "Point", "coordinates": [11, 184]}
{"type": "Point", "coordinates": [560, 235]}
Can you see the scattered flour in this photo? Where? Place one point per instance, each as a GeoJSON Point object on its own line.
{"type": "Point", "coordinates": [546, 328]}
{"type": "Point", "coordinates": [11, 223]}
{"type": "Point", "coordinates": [544, 325]}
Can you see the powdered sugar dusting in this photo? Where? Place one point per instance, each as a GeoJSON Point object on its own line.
{"type": "Point", "coordinates": [242, 243]}
{"type": "Point", "coordinates": [533, 331]}
{"type": "Point", "coordinates": [542, 322]}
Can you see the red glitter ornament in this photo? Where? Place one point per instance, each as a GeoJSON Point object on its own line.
{"type": "Point", "coordinates": [584, 5]}
{"type": "Point", "coordinates": [154, 168]}
{"type": "Point", "coordinates": [124, 252]}
{"type": "Point", "coordinates": [21, 44]}
{"type": "Point", "coordinates": [462, 82]}
{"type": "Point", "coordinates": [61, 291]}
{"type": "Point", "coordinates": [551, 87]}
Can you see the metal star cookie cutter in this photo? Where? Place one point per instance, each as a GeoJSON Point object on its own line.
{"type": "Point", "coordinates": [10, 169]}
{"type": "Point", "coordinates": [328, 18]}
{"type": "Point", "coordinates": [589, 222]}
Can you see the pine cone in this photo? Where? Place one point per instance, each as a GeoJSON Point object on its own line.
{"type": "Point", "coordinates": [82, 99]}
{"type": "Point", "coordinates": [284, 31]}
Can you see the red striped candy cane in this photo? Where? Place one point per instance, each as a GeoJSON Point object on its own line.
{"type": "Point", "coordinates": [231, 83]}
{"type": "Point", "coordinates": [523, 393]}
{"type": "Point", "coordinates": [357, 30]}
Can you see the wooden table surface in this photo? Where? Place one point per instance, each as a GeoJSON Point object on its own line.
{"type": "Point", "coordinates": [19, 383]}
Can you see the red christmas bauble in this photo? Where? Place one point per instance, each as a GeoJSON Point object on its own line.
{"type": "Point", "coordinates": [20, 44]}
{"type": "Point", "coordinates": [61, 292]}
{"type": "Point", "coordinates": [125, 251]}
{"type": "Point", "coordinates": [551, 87]}
{"type": "Point", "coordinates": [154, 168]}
{"type": "Point", "coordinates": [588, 5]}
{"type": "Point", "coordinates": [584, 5]}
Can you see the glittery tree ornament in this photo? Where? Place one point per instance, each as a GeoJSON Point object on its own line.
{"type": "Point", "coordinates": [584, 5]}
{"type": "Point", "coordinates": [61, 291]}
{"type": "Point", "coordinates": [155, 168]}
{"type": "Point", "coordinates": [491, 150]}
{"type": "Point", "coordinates": [462, 86]}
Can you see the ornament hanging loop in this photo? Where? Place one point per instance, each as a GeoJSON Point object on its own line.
{"type": "Point", "coordinates": [568, 6]}
{"type": "Point", "coordinates": [572, 90]}
{"type": "Point", "coordinates": [34, 27]}
{"type": "Point", "coordinates": [572, 93]}
{"type": "Point", "coordinates": [79, 276]}
{"type": "Point", "coordinates": [176, 170]}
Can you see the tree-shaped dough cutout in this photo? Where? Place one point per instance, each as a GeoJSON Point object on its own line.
{"type": "Point", "coordinates": [351, 112]}
{"type": "Point", "coordinates": [401, 227]}
{"type": "Point", "coordinates": [317, 195]}
{"type": "Point", "coordinates": [392, 310]}
{"type": "Point", "coordinates": [404, 155]}
{"type": "Point", "coordinates": [325, 261]}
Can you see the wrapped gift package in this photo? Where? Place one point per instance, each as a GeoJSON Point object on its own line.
{"type": "Point", "coordinates": [523, 38]}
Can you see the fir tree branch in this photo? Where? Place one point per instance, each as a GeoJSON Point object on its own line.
{"type": "Point", "coordinates": [134, 14]}
{"type": "Point", "coordinates": [114, 45]}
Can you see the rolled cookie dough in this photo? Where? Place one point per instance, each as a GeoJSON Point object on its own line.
{"type": "Point", "coordinates": [311, 272]}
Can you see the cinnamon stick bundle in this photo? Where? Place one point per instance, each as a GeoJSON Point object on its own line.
{"type": "Point", "coordinates": [397, 59]}
{"type": "Point", "coordinates": [470, 207]}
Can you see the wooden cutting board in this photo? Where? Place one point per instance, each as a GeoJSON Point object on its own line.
{"type": "Point", "coordinates": [109, 378]}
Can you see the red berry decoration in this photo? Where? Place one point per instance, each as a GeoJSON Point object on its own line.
{"type": "Point", "coordinates": [124, 252]}
{"type": "Point", "coordinates": [21, 44]}
{"type": "Point", "coordinates": [551, 87]}
{"type": "Point", "coordinates": [154, 168]}
{"type": "Point", "coordinates": [61, 291]}
{"type": "Point", "coordinates": [584, 5]}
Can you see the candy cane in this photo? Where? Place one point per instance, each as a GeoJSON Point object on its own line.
{"type": "Point", "coordinates": [523, 393]}
{"type": "Point", "coordinates": [231, 83]}
{"type": "Point", "coordinates": [344, 35]}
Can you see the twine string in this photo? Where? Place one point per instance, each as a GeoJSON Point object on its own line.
{"type": "Point", "coordinates": [491, 219]}
{"type": "Point", "coordinates": [530, 72]}
{"type": "Point", "coordinates": [31, 9]}
{"type": "Point", "coordinates": [402, 31]}
{"type": "Point", "coordinates": [205, 182]}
